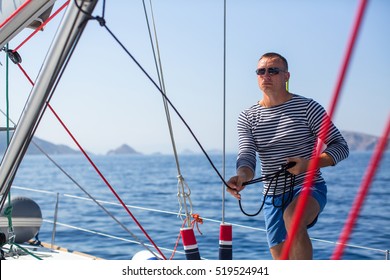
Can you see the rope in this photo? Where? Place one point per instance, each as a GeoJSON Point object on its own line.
{"type": "Point", "coordinates": [196, 221]}
{"type": "Point", "coordinates": [82, 189]}
{"type": "Point", "coordinates": [95, 201]}
{"type": "Point", "coordinates": [362, 193]}
{"type": "Point", "coordinates": [8, 209]}
{"type": "Point", "coordinates": [315, 162]}
{"type": "Point", "coordinates": [224, 113]}
{"type": "Point", "coordinates": [159, 211]}
{"type": "Point", "coordinates": [101, 21]}
{"type": "Point", "coordinates": [100, 174]}
{"type": "Point", "coordinates": [184, 198]}
{"type": "Point", "coordinates": [7, 94]}
{"type": "Point", "coordinates": [272, 177]}
{"type": "Point", "coordinates": [164, 96]}
{"type": "Point", "coordinates": [302, 201]}
{"type": "Point", "coordinates": [182, 185]}
{"type": "Point", "coordinates": [14, 253]}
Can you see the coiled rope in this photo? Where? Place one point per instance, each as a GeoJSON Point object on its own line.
{"type": "Point", "coordinates": [288, 188]}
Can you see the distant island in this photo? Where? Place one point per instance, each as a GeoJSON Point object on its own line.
{"type": "Point", "coordinates": [123, 150]}
{"type": "Point", "coordinates": [48, 147]}
{"type": "Point", "coordinates": [357, 141]}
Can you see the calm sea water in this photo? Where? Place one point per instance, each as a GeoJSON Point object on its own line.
{"type": "Point", "coordinates": [150, 182]}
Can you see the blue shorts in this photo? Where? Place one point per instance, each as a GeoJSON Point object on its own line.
{"type": "Point", "coordinates": [273, 216]}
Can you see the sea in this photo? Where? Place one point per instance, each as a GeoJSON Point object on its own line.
{"type": "Point", "coordinates": [141, 199]}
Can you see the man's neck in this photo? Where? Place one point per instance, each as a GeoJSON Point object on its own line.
{"type": "Point", "coordinates": [275, 99]}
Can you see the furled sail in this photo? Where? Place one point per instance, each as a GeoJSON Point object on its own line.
{"type": "Point", "coordinates": [16, 15]}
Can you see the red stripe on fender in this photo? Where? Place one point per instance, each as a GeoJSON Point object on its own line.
{"type": "Point", "coordinates": [225, 232]}
{"type": "Point", "coordinates": [188, 236]}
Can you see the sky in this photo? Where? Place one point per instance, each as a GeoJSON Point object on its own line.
{"type": "Point", "coordinates": [106, 100]}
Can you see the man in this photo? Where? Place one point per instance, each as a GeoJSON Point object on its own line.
{"type": "Point", "coordinates": [284, 127]}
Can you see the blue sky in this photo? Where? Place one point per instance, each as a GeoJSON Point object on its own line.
{"type": "Point", "coordinates": [107, 101]}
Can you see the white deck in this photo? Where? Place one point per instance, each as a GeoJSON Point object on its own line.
{"type": "Point", "coordinates": [46, 253]}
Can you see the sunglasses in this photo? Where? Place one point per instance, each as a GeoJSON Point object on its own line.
{"type": "Point", "coordinates": [271, 71]}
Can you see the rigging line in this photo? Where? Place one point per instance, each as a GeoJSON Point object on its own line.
{"type": "Point", "coordinates": [42, 25]}
{"type": "Point", "coordinates": [101, 21]}
{"type": "Point", "coordinates": [224, 113]}
{"type": "Point", "coordinates": [86, 192]}
{"type": "Point", "coordinates": [151, 42]}
{"type": "Point", "coordinates": [70, 196]}
{"type": "Point", "coordinates": [8, 209]}
{"type": "Point", "coordinates": [162, 85]}
{"type": "Point", "coordinates": [96, 202]}
{"type": "Point", "coordinates": [7, 93]}
{"type": "Point", "coordinates": [302, 201]}
{"type": "Point", "coordinates": [106, 235]}
{"type": "Point", "coordinates": [159, 70]}
{"type": "Point", "coordinates": [170, 103]}
{"type": "Point", "coordinates": [15, 253]}
{"type": "Point", "coordinates": [33, 129]}
{"type": "Point", "coordinates": [54, 85]}
{"type": "Point", "coordinates": [85, 154]}
{"type": "Point", "coordinates": [362, 193]}
{"type": "Point", "coordinates": [80, 147]}
{"type": "Point", "coordinates": [104, 9]}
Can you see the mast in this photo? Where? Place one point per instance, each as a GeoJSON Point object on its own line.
{"type": "Point", "coordinates": [63, 44]}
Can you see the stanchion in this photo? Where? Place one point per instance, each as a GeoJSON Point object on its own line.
{"type": "Point", "coordinates": [190, 245]}
{"type": "Point", "coordinates": [225, 242]}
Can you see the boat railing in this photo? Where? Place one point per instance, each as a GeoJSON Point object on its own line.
{"type": "Point", "coordinates": [55, 223]}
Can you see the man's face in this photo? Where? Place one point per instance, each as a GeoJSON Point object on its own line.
{"type": "Point", "coordinates": [272, 75]}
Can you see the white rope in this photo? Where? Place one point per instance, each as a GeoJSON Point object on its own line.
{"type": "Point", "coordinates": [183, 189]}
{"type": "Point", "coordinates": [184, 198]}
{"type": "Point", "coordinates": [224, 114]}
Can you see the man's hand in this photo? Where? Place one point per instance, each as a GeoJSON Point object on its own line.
{"type": "Point", "coordinates": [244, 174]}
{"type": "Point", "coordinates": [302, 164]}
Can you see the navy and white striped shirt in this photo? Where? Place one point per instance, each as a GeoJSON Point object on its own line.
{"type": "Point", "coordinates": [287, 130]}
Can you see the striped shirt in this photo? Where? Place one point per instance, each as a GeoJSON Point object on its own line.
{"type": "Point", "coordinates": [287, 130]}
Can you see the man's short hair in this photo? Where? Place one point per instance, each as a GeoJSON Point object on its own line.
{"type": "Point", "coordinates": [273, 54]}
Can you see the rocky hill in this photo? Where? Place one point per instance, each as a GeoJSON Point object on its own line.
{"type": "Point", "coordinates": [48, 147]}
{"type": "Point", "coordinates": [123, 150]}
{"type": "Point", "coordinates": [360, 141]}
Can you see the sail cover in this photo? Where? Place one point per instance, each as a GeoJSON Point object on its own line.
{"type": "Point", "coordinates": [15, 15]}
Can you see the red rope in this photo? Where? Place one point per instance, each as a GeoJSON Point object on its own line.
{"type": "Point", "coordinates": [105, 181]}
{"type": "Point", "coordinates": [98, 171]}
{"type": "Point", "coordinates": [363, 190]}
{"type": "Point", "coordinates": [196, 220]}
{"type": "Point", "coordinates": [42, 25]}
{"type": "Point", "coordinates": [302, 200]}
{"type": "Point", "coordinates": [25, 74]}
{"type": "Point", "coordinates": [75, 140]}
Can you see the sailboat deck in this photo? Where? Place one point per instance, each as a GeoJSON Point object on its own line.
{"type": "Point", "coordinates": [45, 252]}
